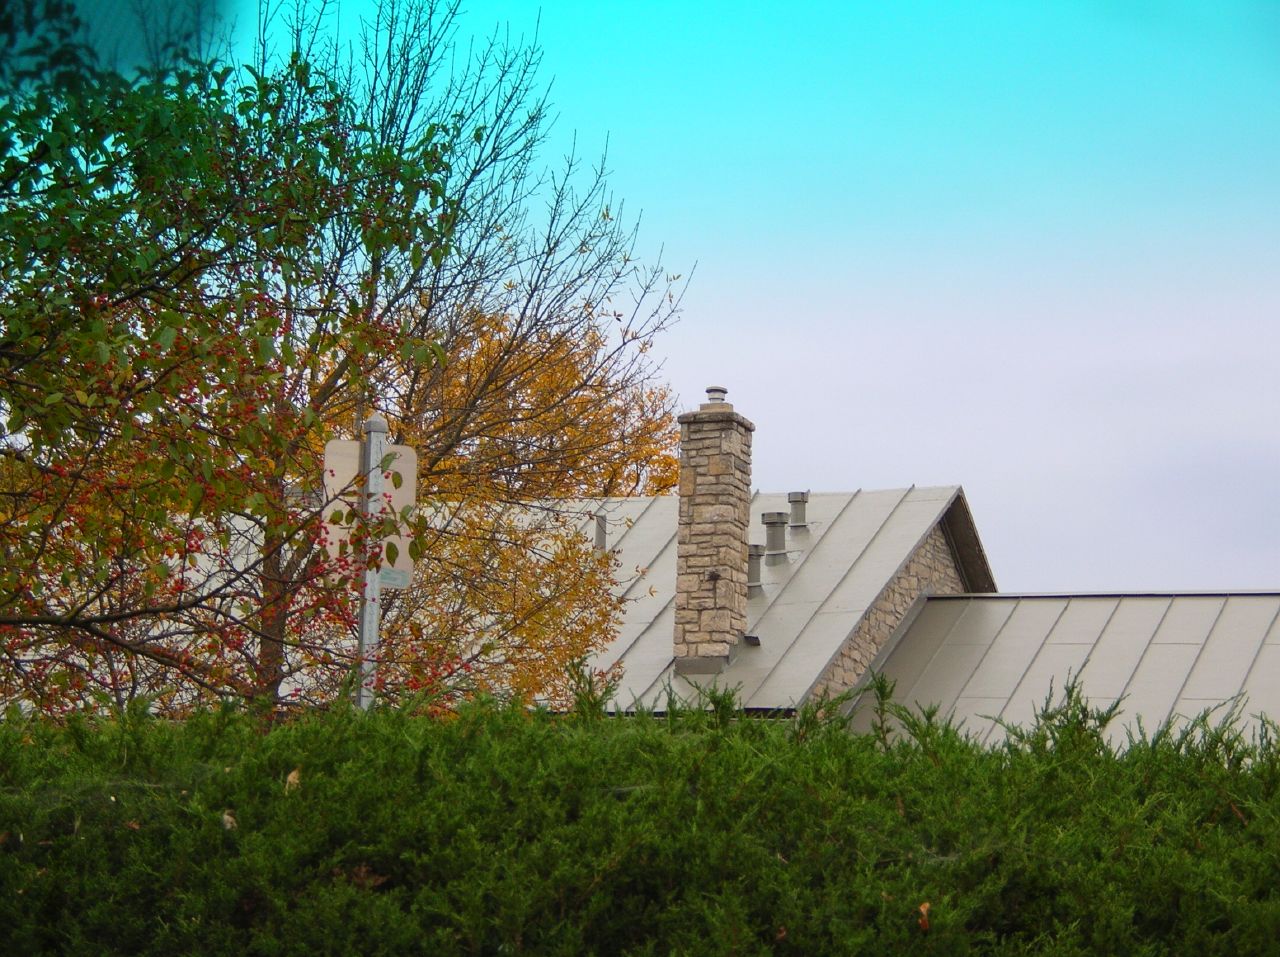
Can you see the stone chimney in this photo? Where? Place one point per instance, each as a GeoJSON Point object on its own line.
{"type": "Point", "coordinates": [711, 546]}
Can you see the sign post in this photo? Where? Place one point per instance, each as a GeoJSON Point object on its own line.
{"type": "Point", "coordinates": [355, 475]}
{"type": "Point", "coordinates": [372, 451]}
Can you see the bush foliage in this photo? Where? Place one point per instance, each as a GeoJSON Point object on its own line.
{"type": "Point", "coordinates": [699, 831]}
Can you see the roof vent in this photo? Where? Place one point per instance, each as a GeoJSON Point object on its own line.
{"type": "Point", "coordinates": [775, 537]}
{"type": "Point", "coordinates": [754, 554]}
{"type": "Point", "coordinates": [798, 501]}
{"type": "Point", "coordinates": [716, 393]}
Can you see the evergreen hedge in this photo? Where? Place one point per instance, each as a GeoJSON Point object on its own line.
{"type": "Point", "coordinates": [701, 831]}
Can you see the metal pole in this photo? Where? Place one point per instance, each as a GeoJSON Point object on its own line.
{"type": "Point", "coordinates": [372, 450]}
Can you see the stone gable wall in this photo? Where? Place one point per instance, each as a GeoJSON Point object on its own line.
{"type": "Point", "coordinates": [932, 569]}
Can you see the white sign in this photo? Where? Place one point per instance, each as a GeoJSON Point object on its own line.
{"type": "Point", "coordinates": [341, 468]}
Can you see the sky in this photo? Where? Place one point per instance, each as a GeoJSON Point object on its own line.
{"type": "Point", "coordinates": [1033, 249]}
{"type": "Point", "coordinates": [1028, 248]}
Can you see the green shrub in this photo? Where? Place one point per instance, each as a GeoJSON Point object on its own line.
{"type": "Point", "coordinates": [700, 831]}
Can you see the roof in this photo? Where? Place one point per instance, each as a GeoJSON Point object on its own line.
{"type": "Point", "coordinates": [1168, 656]}
{"type": "Point", "coordinates": [854, 543]}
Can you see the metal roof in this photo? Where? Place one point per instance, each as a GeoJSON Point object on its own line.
{"type": "Point", "coordinates": [854, 543]}
{"type": "Point", "coordinates": [1169, 656]}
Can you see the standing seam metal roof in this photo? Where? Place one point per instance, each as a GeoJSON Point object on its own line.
{"type": "Point", "coordinates": [808, 605]}
{"type": "Point", "coordinates": [1170, 657]}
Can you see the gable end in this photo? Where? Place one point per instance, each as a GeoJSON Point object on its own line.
{"type": "Point", "coordinates": [931, 569]}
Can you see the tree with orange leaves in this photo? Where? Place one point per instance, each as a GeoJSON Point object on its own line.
{"type": "Point", "coordinates": [513, 430]}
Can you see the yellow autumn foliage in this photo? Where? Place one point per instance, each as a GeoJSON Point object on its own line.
{"type": "Point", "coordinates": [513, 426]}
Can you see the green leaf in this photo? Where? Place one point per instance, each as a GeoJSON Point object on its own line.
{"type": "Point", "coordinates": [165, 338]}
{"type": "Point", "coordinates": [393, 552]}
{"type": "Point", "coordinates": [397, 480]}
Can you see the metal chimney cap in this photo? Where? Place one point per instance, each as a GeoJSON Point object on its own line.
{"type": "Point", "coordinates": [755, 549]}
{"type": "Point", "coordinates": [775, 518]}
{"type": "Point", "coordinates": [716, 393]}
{"type": "Point", "coordinates": [793, 497]}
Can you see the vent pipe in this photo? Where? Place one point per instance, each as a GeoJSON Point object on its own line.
{"type": "Point", "coordinates": [775, 537]}
{"type": "Point", "coordinates": [602, 532]}
{"type": "Point", "coordinates": [754, 554]}
{"type": "Point", "coordinates": [798, 501]}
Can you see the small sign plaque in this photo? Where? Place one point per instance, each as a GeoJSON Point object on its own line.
{"type": "Point", "coordinates": [341, 468]}
{"type": "Point", "coordinates": [393, 578]}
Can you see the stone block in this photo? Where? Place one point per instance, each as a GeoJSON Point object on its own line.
{"type": "Point", "coordinates": [727, 595]}
{"type": "Point", "coordinates": [716, 619]}
{"type": "Point", "coordinates": [731, 557]}
{"type": "Point", "coordinates": [716, 513]}
{"type": "Point", "coordinates": [687, 583]}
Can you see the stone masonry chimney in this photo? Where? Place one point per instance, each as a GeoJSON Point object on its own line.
{"type": "Point", "coordinates": [711, 546]}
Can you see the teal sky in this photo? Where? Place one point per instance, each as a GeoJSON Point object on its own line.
{"type": "Point", "coordinates": [1032, 248]}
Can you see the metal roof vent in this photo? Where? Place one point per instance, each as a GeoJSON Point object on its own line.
{"type": "Point", "coordinates": [775, 537]}
{"type": "Point", "coordinates": [716, 393]}
{"type": "Point", "coordinates": [798, 501]}
{"type": "Point", "coordinates": [754, 554]}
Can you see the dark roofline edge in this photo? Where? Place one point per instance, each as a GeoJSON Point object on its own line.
{"type": "Point", "coordinates": [966, 545]}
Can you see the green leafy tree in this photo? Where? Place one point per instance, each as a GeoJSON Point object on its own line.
{"type": "Point", "coordinates": [194, 265]}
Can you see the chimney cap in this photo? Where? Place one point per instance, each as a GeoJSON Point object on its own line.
{"type": "Point", "coordinates": [793, 497]}
{"type": "Point", "coordinates": [775, 518]}
{"type": "Point", "coordinates": [716, 411]}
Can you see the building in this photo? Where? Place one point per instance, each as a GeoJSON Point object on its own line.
{"type": "Point", "coordinates": [792, 596]}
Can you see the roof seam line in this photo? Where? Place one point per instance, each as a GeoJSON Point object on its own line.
{"type": "Point", "coordinates": [1027, 670]}
{"type": "Point", "coordinates": [791, 576]}
{"type": "Point", "coordinates": [1142, 657]}
{"type": "Point", "coordinates": [1258, 652]}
